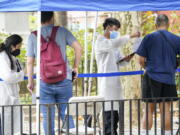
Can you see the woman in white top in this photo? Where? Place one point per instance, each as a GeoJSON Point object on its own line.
{"type": "Point", "coordinates": [107, 56]}
{"type": "Point", "coordinates": [10, 74]}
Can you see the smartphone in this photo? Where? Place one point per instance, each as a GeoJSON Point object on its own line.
{"type": "Point", "coordinates": [73, 75]}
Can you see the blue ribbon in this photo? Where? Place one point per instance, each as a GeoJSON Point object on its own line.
{"type": "Point", "coordinates": [140, 72]}
{"type": "Point", "coordinates": [25, 78]}
{"type": "Point", "coordinates": [111, 74]}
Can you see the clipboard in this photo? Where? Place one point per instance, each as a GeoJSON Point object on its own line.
{"type": "Point", "coordinates": [123, 59]}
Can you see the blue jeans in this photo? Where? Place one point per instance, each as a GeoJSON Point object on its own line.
{"type": "Point", "coordinates": [59, 92]}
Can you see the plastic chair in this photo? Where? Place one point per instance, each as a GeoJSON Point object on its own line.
{"type": "Point", "coordinates": [81, 106]}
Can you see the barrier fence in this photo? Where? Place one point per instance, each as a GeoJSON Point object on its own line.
{"type": "Point", "coordinates": [19, 118]}
{"type": "Point", "coordinates": [89, 117]}
{"type": "Point", "coordinates": [129, 117]}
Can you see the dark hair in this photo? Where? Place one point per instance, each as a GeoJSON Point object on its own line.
{"type": "Point", "coordinates": [111, 22]}
{"type": "Point", "coordinates": [46, 16]}
{"type": "Point", "coordinates": [162, 20]}
{"type": "Point", "coordinates": [10, 41]}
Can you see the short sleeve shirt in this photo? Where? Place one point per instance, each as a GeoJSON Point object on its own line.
{"type": "Point", "coordinates": [63, 38]}
{"type": "Point", "coordinates": [160, 56]}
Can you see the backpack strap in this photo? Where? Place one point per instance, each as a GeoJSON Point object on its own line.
{"type": "Point", "coordinates": [168, 41]}
{"type": "Point", "coordinates": [34, 32]}
{"type": "Point", "coordinates": [53, 33]}
{"type": "Point", "coordinates": [42, 39]}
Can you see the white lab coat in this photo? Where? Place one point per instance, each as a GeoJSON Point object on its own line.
{"type": "Point", "coordinates": [9, 92]}
{"type": "Point", "coordinates": [107, 54]}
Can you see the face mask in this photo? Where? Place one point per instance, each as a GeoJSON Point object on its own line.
{"type": "Point", "coordinates": [16, 52]}
{"type": "Point", "coordinates": [114, 34]}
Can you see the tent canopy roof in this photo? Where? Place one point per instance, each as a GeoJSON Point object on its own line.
{"type": "Point", "coordinates": [89, 5]}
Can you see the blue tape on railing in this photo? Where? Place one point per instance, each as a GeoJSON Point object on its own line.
{"type": "Point", "coordinates": [25, 78]}
{"type": "Point", "coordinates": [140, 72]}
{"type": "Point", "coordinates": [111, 74]}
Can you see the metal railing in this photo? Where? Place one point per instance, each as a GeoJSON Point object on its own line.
{"type": "Point", "coordinates": [129, 118]}
{"type": "Point", "coordinates": [90, 118]}
{"type": "Point", "coordinates": [18, 119]}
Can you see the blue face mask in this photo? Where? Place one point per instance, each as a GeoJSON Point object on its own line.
{"type": "Point", "coordinates": [114, 34]}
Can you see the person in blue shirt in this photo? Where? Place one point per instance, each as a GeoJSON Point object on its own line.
{"type": "Point", "coordinates": [157, 53]}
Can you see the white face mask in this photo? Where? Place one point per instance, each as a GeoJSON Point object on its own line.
{"type": "Point", "coordinates": [114, 34]}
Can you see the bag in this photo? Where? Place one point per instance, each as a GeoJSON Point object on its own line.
{"type": "Point", "coordinates": [173, 47]}
{"type": "Point", "coordinates": [52, 64]}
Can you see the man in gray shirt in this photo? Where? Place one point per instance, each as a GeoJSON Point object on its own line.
{"type": "Point", "coordinates": [59, 92]}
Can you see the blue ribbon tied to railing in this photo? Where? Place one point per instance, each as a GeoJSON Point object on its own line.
{"type": "Point", "coordinates": [112, 74]}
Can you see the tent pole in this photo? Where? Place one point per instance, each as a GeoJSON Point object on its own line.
{"type": "Point", "coordinates": [92, 54]}
{"type": "Point", "coordinates": [38, 73]}
{"type": "Point", "coordinates": [86, 54]}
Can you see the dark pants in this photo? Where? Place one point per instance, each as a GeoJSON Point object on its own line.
{"type": "Point", "coordinates": [88, 120]}
{"type": "Point", "coordinates": [0, 125]}
{"type": "Point", "coordinates": [109, 121]}
{"type": "Point", "coordinates": [155, 89]}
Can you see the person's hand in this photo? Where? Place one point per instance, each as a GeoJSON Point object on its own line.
{"type": "Point", "coordinates": [107, 32]}
{"type": "Point", "coordinates": [30, 86]}
{"type": "Point", "coordinates": [135, 35]}
{"type": "Point", "coordinates": [128, 58]}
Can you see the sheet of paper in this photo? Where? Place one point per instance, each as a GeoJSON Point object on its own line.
{"type": "Point", "coordinates": [137, 43]}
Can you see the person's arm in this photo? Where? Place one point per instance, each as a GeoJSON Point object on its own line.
{"type": "Point", "coordinates": [177, 42]}
{"type": "Point", "coordinates": [8, 75]}
{"type": "Point", "coordinates": [78, 53]}
{"type": "Point", "coordinates": [71, 40]}
{"type": "Point", "coordinates": [142, 61]}
{"type": "Point", "coordinates": [106, 45]}
{"type": "Point", "coordinates": [30, 61]}
{"type": "Point", "coordinates": [123, 39]}
{"type": "Point", "coordinates": [142, 50]}
{"type": "Point", "coordinates": [119, 41]}
{"type": "Point", "coordinates": [30, 72]}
